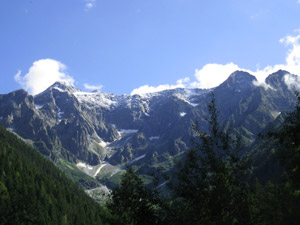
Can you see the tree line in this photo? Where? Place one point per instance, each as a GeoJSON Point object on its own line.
{"type": "Point", "coordinates": [212, 186]}
{"type": "Point", "coordinates": [34, 191]}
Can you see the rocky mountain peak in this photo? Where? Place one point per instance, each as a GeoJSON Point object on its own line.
{"type": "Point", "coordinates": [57, 93]}
{"type": "Point", "coordinates": [97, 133]}
{"type": "Point", "coordinates": [58, 86]}
{"type": "Point", "coordinates": [239, 77]}
{"type": "Point", "coordinates": [238, 81]}
{"type": "Point", "coordinates": [62, 86]}
{"type": "Point", "coordinates": [277, 79]}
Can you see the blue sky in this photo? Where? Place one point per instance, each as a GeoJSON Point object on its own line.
{"type": "Point", "coordinates": [144, 45]}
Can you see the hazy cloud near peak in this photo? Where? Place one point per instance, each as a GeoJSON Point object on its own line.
{"type": "Point", "coordinates": [45, 72]}
{"type": "Point", "coordinates": [181, 83]}
{"type": "Point", "coordinates": [292, 82]}
{"type": "Point", "coordinates": [293, 57]}
{"type": "Point", "coordinates": [212, 75]}
{"type": "Point", "coordinates": [292, 61]}
{"type": "Point", "coordinates": [42, 74]}
{"type": "Point", "coordinates": [92, 87]}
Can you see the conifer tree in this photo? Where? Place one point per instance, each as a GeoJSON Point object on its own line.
{"type": "Point", "coordinates": [210, 185]}
{"type": "Point", "coordinates": [133, 202]}
{"type": "Point", "coordinates": [282, 201]}
{"type": "Point", "coordinates": [289, 139]}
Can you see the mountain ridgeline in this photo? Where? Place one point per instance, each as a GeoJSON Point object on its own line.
{"type": "Point", "coordinates": [92, 136]}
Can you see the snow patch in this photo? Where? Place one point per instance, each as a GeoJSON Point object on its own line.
{"type": "Point", "coordinates": [182, 114]}
{"type": "Point", "coordinates": [153, 138]}
{"type": "Point", "coordinates": [60, 113]}
{"type": "Point", "coordinates": [92, 171]}
{"type": "Point", "coordinates": [185, 98]}
{"type": "Point", "coordinates": [136, 159]}
{"type": "Point", "coordinates": [181, 97]}
{"type": "Point", "coordinates": [38, 106]}
{"type": "Point", "coordinates": [103, 144]}
{"type": "Point", "coordinates": [99, 169]}
{"type": "Point", "coordinates": [95, 99]}
{"type": "Point", "coordinates": [125, 132]}
{"type": "Point", "coordinates": [82, 165]}
{"type": "Point", "coordinates": [275, 114]}
{"type": "Point", "coordinates": [193, 104]}
{"type": "Point", "coordinates": [129, 131]}
{"type": "Point", "coordinates": [59, 89]}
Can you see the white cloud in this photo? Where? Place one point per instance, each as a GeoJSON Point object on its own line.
{"type": "Point", "coordinates": [211, 75]}
{"type": "Point", "coordinates": [93, 87]}
{"type": "Point", "coordinates": [42, 74]}
{"type": "Point", "coordinates": [183, 80]}
{"type": "Point", "coordinates": [89, 4]}
{"type": "Point", "coordinates": [293, 57]}
{"type": "Point", "coordinates": [45, 72]}
{"type": "Point", "coordinates": [292, 62]}
{"type": "Point", "coordinates": [292, 82]}
{"type": "Point", "coordinates": [260, 14]}
{"type": "Point", "coordinates": [151, 89]}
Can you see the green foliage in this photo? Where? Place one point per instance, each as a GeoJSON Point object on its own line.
{"type": "Point", "coordinates": [289, 140]}
{"type": "Point", "coordinates": [274, 204]}
{"type": "Point", "coordinates": [133, 202]}
{"type": "Point", "coordinates": [34, 191]}
{"type": "Point", "coordinates": [280, 203]}
{"type": "Point", "coordinates": [211, 186]}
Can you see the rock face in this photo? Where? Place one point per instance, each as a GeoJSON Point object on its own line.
{"type": "Point", "coordinates": [101, 132]}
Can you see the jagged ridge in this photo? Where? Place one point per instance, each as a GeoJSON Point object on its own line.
{"type": "Point", "coordinates": [101, 132]}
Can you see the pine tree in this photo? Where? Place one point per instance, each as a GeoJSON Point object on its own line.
{"type": "Point", "coordinates": [283, 200]}
{"type": "Point", "coordinates": [34, 191]}
{"type": "Point", "coordinates": [133, 202]}
{"type": "Point", "coordinates": [289, 139]}
{"type": "Point", "coordinates": [211, 187]}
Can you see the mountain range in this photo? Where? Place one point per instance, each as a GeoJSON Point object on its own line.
{"type": "Point", "coordinates": [93, 136]}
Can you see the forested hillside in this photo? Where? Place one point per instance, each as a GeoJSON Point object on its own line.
{"type": "Point", "coordinates": [34, 191]}
{"type": "Point", "coordinates": [212, 185]}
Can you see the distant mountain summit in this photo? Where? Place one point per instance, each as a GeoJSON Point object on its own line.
{"type": "Point", "coordinates": [95, 134]}
{"type": "Point", "coordinates": [276, 80]}
{"type": "Point", "coordinates": [239, 81]}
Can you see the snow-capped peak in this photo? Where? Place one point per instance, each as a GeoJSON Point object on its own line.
{"type": "Point", "coordinates": [96, 99]}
